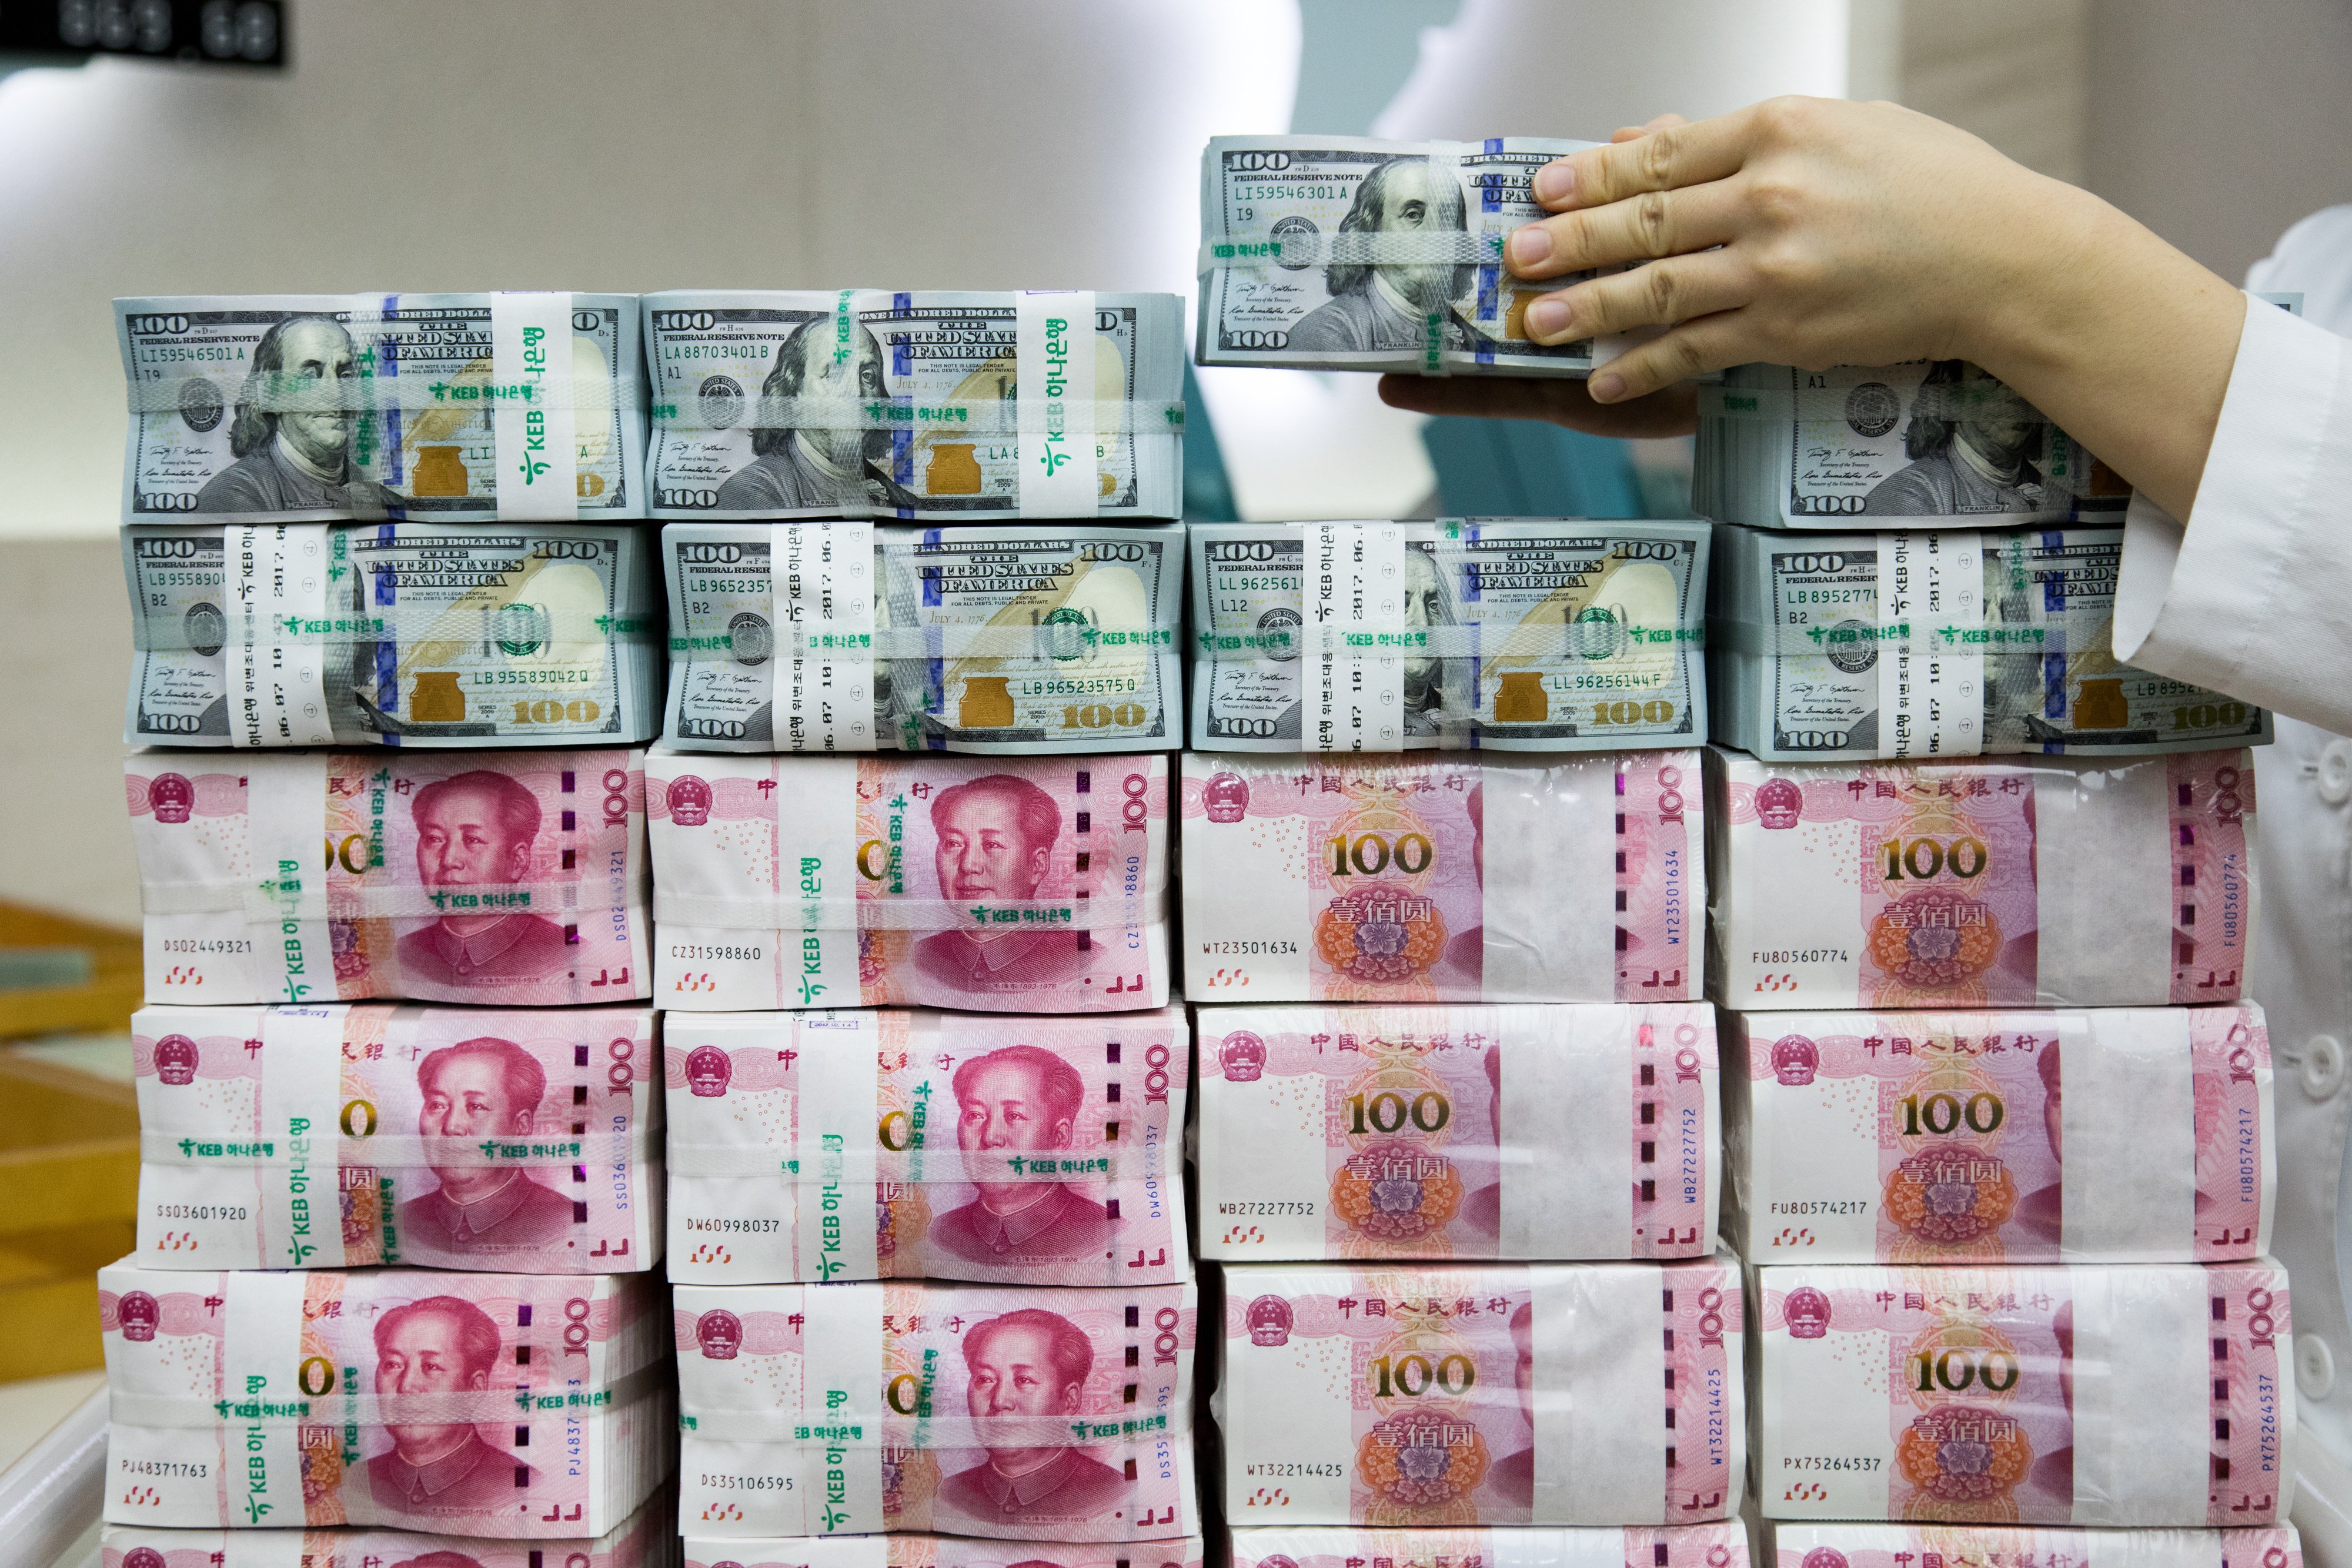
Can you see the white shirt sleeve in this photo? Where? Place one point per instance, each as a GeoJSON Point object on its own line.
{"type": "Point", "coordinates": [2252, 596]}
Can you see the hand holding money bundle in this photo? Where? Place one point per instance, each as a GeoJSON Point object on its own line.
{"type": "Point", "coordinates": [970, 407]}
{"type": "Point", "coordinates": [835, 636]}
{"type": "Point", "coordinates": [1352, 1546]}
{"type": "Point", "coordinates": [1347, 253]}
{"type": "Point", "coordinates": [891, 1144]}
{"type": "Point", "coordinates": [392, 634]}
{"type": "Point", "coordinates": [1946, 643]}
{"type": "Point", "coordinates": [1985, 883]}
{"type": "Point", "coordinates": [1441, 1397]}
{"type": "Point", "coordinates": [1516, 635]}
{"type": "Point", "coordinates": [528, 1406]}
{"type": "Point", "coordinates": [1014, 884]}
{"type": "Point", "coordinates": [1943, 1138]}
{"type": "Point", "coordinates": [1443, 879]}
{"type": "Point", "coordinates": [905, 1550]}
{"type": "Point", "coordinates": [2117, 1394]}
{"type": "Point", "coordinates": [471, 408]}
{"type": "Point", "coordinates": [328, 1137]}
{"type": "Point", "coordinates": [1458, 1131]}
{"type": "Point", "coordinates": [500, 879]}
{"type": "Point", "coordinates": [1018, 1415]}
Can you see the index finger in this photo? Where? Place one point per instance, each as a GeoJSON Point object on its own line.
{"type": "Point", "coordinates": [1661, 160]}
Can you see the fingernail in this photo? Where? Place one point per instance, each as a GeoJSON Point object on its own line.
{"type": "Point", "coordinates": [1606, 387]}
{"type": "Point", "coordinates": [1529, 245]}
{"type": "Point", "coordinates": [1555, 181]}
{"type": "Point", "coordinates": [1547, 318]}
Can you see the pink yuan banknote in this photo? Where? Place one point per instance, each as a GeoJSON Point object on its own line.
{"type": "Point", "coordinates": [2106, 1134]}
{"type": "Point", "coordinates": [1442, 1398]}
{"type": "Point", "coordinates": [1029, 884]}
{"type": "Point", "coordinates": [514, 1405]}
{"type": "Point", "coordinates": [1033, 1415]}
{"type": "Point", "coordinates": [2123, 1394]}
{"type": "Point", "coordinates": [1461, 1131]}
{"type": "Point", "coordinates": [522, 1140]}
{"type": "Point", "coordinates": [1595, 1546]}
{"type": "Point", "coordinates": [2017, 1546]}
{"type": "Point", "coordinates": [888, 1143]}
{"type": "Point", "coordinates": [1443, 879]}
{"type": "Point", "coordinates": [644, 1540]}
{"type": "Point", "coordinates": [940, 1552]}
{"type": "Point", "coordinates": [1987, 882]}
{"type": "Point", "coordinates": [492, 878]}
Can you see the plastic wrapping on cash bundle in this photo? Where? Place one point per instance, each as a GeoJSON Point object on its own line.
{"type": "Point", "coordinates": [496, 878]}
{"type": "Point", "coordinates": [1444, 1397]}
{"type": "Point", "coordinates": [518, 1141]}
{"type": "Point", "coordinates": [1458, 1131]}
{"type": "Point", "coordinates": [970, 406]}
{"type": "Point", "coordinates": [472, 408]}
{"type": "Point", "coordinates": [646, 1539]}
{"type": "Point", "coordinates": [2059, 882]}
{"type": "Point", "coordinates": [846, 636]}
{"type": "Point", "coordinates": [2110, 1395]}
{"type": "Point", "coordinates": [1032, 1414]}
{"type": "Point", "coordinates": [1470, 1546]}
{"type": "Point", "coordinates": [1788, 1545]}
{"type": "Point", "coordinates": [517, 1406]}
{"type": "Point", "coordinates": [903, 1550]}
{"type": "Point", "coordinates": [1442, 879]}
{"type": "Point", "coordinates": [419, 634]}
{"type": "Point", "coordinates": [1038, 1151]}
{"type": "Point", "coordinates": [1529, 634]}
{"type": "Point", "coordinates": [1002, 884]}
{"type": "Point", "coordinates": [1945, 1138]}
{"type": "Point", "coordinates": [1946, 643]}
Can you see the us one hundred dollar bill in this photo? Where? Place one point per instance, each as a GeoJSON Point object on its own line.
{"type": "Point", "coordinates": [388, 633]}
{"type": "Point", "coordinates": [902, 1145]}
{"type": "Point", "coordinates": [1792, 1545]}
{"type": "Point", "coordinates": [1450, 1397]}
{"type": "Point", "coordinates": [1008, 884]}
{"type": "Point", "coordinates": [1458, 1131]}
{"type": "Point", "coordinates": [2114, 1394]}
{"type": "Point", "coordinates": [476, 408]}
{"type": "Point", "coordinates": [907, 1550]}
{"type": "Point", "coordinates": [863, 402]}
{"type": "Point", "coordinates": [498, 879]}
{"type": "Point", "coordinates": [644, 1540]}
{"type": "Point", "coordinates": [1023, 1414]}
{"type": "Point", "coordinates": [524, 1141]}
{"type": "Point", "coordinates": [1476, 1546]}
{"type": "Point", "coordinates": [1941, 644]}
{"type": "Point", "coordinates": [1526, 634]}
{"type": "Point", "coordinates": [1349, 253]}
{"type": "Point", "coordinates": [513, 1405]}
{"type": "Point", "coordinates": [844, 636]}
{"type": "Point", "coordinates": [1945, 1138]}
{"type": "Point", "coordinates": [1981, 884]}
{"type": "Point", "coordinates": [1410, 881]}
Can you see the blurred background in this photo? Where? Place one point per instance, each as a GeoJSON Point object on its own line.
{"type": "Point", "coordinates": [610, 144]}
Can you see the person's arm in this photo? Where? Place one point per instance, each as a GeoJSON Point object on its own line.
{"type": "Point", "coordinates": [1814, 232]}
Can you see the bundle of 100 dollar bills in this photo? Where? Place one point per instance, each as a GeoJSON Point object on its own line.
{"type": "Point", "coordinates": [1526, 634]}
{"type": "Point", "coordinates": [866, 402]}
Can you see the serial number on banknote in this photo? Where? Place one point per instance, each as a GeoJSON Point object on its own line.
{"type": "Point", "coordinates": [748, 1483]}
{"type": "Point", "coordinates": [1798, 955]}
{"type": "Point", "coordinates": [199, 1211]}
{"type": "Point", "coordinates": [758, 1225]}
{"type": "Point", "coordinates": [1267, 1206]}
{"type": "Point", "coordinates": [1242, 946]}
{"type": "Point", "coordinates": [166, 1467]}
{"type": "Point", "coordinates": [1277, 1468]}
{"type": "Point", "coordinates": [1821, 1206]}
{"type": "Point", "coordinates": [1829, 1462]}
{"type": "Point", "coordinates": [206, 944]}
{"type": "Point", "coordinates": [689, 950]}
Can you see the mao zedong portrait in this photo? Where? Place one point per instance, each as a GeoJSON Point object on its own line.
{"type": "Point", "coordinates": [293, 432]}
{"type": "Point", "coordinates": [477, 1089]}
{"type": "Point", "coordinates": [1027, 1370]}
{"type": "Point", "coordinates": [474, 831]}
{"type": "Point", "coordinates": [996, 836]}
{"type": "Point", "coordinates": [442, 1344]}
{"type": "Point", "coordinates": [1016, 1100]}
{"type": "Point", "coordinates": [1381, 305]}
{"type": "Point", "coordinates": [817, 452]}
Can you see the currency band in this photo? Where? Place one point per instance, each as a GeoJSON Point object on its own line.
{"type": "Point", "coordinates": [524, 628]}
{"type": "Point", "coordinates": [784, 912]}
{"type": "Point", "coordinates": [1591, 641]}
{"type": "Point", "coordinates": [274, 900]}
{"type": "Point", "coordinates": [994, 416]}
{"type": "Point", "coordinates": [1047, 639]}
{"type": "Point", "coordinates": [1365, 247]}
{"type": "Point", "coordinates": [406, 1151]}
{"type": "Point", "coordinates": [466, 395]}
{"type": "Point", "coordinates": [911, 1167]}
{"type": "Point", "coordinates": [868, 1427]}
{"type": "Point", "coordinates": [1943, 400]}
{"type": "Point", "coordinates": [342, 1408]}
